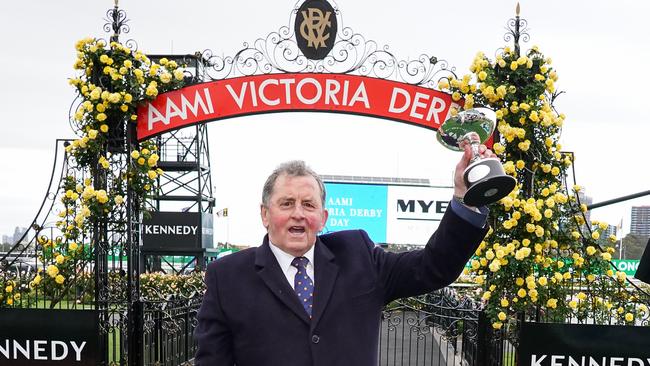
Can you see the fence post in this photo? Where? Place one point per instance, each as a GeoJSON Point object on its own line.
{"type": "Point", "coordinates": [483, 336]}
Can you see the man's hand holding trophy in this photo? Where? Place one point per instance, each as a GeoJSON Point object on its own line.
{"type": "Point", "coordinates": [485, 178]}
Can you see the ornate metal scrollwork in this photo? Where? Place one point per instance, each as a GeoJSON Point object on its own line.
{"type": "Point", "coordinates": [352, 53]}
{"type": "Point", "coordinates": [117, 22]}
{"type": "Point", "coordinates": [517, 29]}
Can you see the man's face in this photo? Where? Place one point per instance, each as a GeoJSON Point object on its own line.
{"type": "Point", "coordinates": [295, 214]}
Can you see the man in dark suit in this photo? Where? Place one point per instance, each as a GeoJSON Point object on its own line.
{"type": "Point", "coordinates": [301, 299]}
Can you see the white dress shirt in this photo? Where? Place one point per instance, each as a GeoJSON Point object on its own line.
{"type": "Point", "coordinates": [284, 260]}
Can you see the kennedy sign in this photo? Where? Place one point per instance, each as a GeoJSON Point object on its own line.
{"type": "Point", "coordinates": [177, 230]}
{"type": "Point", "coordinates": [49, 337]}
{"type": "Point", "coordinates": [339, 93]}
{"type": "Point", "coordinates": [584, 345]}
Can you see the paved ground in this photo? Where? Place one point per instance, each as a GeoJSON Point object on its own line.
{"type": "Point", "coordinates": [407, 341]}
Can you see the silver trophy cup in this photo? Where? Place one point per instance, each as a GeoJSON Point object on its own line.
{"type": "Point", "coordinates": [485, 179]}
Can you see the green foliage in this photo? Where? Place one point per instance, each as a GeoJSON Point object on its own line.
{"type": "Point", "coordinates": [536, 257]}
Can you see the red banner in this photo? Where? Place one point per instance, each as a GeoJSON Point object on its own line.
{"type": "Point", "coordinates": [338, 93]}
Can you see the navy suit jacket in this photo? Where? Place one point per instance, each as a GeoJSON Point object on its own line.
{"type": "Point", "coordinates": [250, 315]}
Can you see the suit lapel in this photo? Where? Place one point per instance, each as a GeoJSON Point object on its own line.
{"type": "Point", "coordinates": [269, 270]}
{"type": "Point", "coordinates": [326, 271]}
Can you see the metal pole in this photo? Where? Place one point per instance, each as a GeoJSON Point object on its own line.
{"type": "Point", "coordinates": [619, 199]}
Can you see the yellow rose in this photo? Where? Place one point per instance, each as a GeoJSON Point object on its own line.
{"type": "Point", "coordinates": [52, 270]}
{"type": "Point", "coordinates": [551, 303]}
{"type": "Point", "coordinates": [520, 164]}
{"type": "Point", "coordinates": [135, 154]}
{"type": "Point", "coordinates": [513, 65]}
{"type": "Point", "coordinates": [497, 325]}
{"type": "Point", "coordinates": [178, 75]}
{"type": "Point", "coordinates": [502, 316]}
{"type": "Point", "coordinates": [141, 161]}
{"type": "Point", "coordinates": [103, 128]}
{"type": "Point", "coordinates": [59, 279]}
{"type": "Point", "coordinates": [504, 302]}
{"type": "Point", "coordinates": [60, 259]}
{"type": "Point", "coordinates": [486, 295]}
{"type": "Point", "coordinates": [73, 246]}
{"type": "Point", "coordinates": [495, 265]}
{"type": "Point", "coordinates": [521, 293]}
{"type": "Point", "coordinates": [498, 148]}
{"type": "Point", "coordinates": [101, 117]}
{"type": "Point", "coordinates": [165, 77]}
{"type": "Point", "coordinates": [519, 281]}
{"type": "Point", "coordinates": [152, 91]}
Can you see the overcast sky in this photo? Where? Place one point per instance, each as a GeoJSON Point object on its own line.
{"type": "Point", "coordinates": [600, 50]}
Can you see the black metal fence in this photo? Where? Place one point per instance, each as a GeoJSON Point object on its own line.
{"type": "Point", "coordinates": [440, 328]}
{"type": "Point", "coordinates": [167, 332]}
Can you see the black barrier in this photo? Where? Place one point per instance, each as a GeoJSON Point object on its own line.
{"type": "Point", "coordinates": [545, 344]}
{"type": "Point", "coordinates": [49, 337]}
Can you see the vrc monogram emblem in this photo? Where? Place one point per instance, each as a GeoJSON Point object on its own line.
{"type": "Point", "coordinates": [313, 27]}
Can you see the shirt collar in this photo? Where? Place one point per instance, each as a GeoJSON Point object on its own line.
{"type": "Point", "coordinates": [284, 259]}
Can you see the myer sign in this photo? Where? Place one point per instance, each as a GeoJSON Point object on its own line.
{"type": "Point", "coordinates": [545, 344]}
{"type": "Point", "coordinates": [177, 230]}
{"type": "Point", "coordinates": [414, 213]}
{"type": "Point", "coordinates": [49, 337]}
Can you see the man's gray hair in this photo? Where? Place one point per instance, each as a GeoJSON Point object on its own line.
{"type": "Point", "coordinates": [293, 168]}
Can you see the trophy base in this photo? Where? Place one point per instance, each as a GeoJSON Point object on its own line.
{"type": "Point", "coordinates": [487, 182]}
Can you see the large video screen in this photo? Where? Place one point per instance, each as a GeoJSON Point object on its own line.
{"type": "Point", "coordinates": [390, 214]}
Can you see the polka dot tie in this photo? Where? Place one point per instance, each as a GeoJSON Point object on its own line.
{"type": "Point", "coordinates": [303, 285]}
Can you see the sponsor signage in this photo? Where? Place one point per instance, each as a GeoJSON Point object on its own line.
{"type": "Point", "coordinates": [357, 206]}
{"type": "Point", "coordinates": [414, 213]}
{"type": "Point", "coordinates": [390, 214]}
{"type": "Point", "coordinates": [629, 266]}
{"type": "Point", "coordinates": [290, 92]}
{"type": "Point", "coordinates": [545, 344]}
{"type": "Point", "coordinates": [177, 230]}
{"type": "Point", "coordinates": [49, 337]}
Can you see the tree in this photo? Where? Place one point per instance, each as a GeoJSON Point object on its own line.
{"type": "Point", "coordinates": [633, 246]}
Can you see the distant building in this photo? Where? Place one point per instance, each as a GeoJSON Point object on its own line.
{"type": "Point", "coordinates": [611, 230]}
{"type": "Point", "coordinates": [6, 239]}
{"type": "Point", "coordinates": [18, 233]}
{"type": "Point", "coordinates": [584, 199]}
{"type": "Point", "coordinates": [640, 221]}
